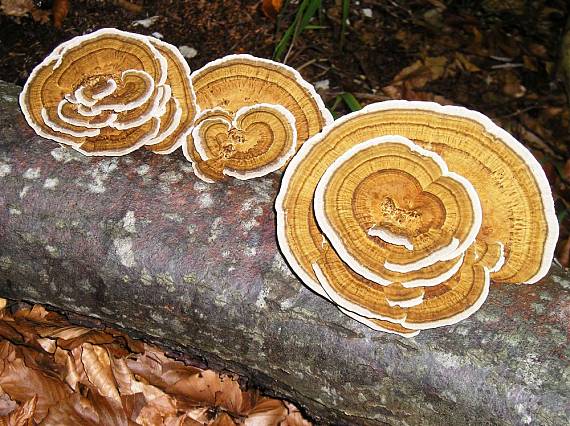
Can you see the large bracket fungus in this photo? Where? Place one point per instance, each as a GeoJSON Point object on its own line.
{"type": "Point", "coordinates": [110, 92]}
{"type": "Point", "coordinates": [402, 214]}
{"type": "Point", "coordinates": [255, 113]}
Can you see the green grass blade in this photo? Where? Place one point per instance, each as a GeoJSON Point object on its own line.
{"type": "Point", "coordinates": [351, 101]}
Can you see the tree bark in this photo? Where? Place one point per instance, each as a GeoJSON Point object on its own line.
{"type": "Point", "coordinates": [140, 243]}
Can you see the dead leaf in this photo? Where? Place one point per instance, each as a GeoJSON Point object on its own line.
{"type": "Point", "coordinates": [23, 383]}
{"type": "Point", "coordinates": [271, 8]}
{"type": "Point", "coordinates": [223, 419]}
{"type": "Point", "coordinates": [465, 63]}
{"type": "Point", "coordinates": [22, 416]}
{"type": "Point", "coordinates": [267, 412]}
{"type": "Point", "coordinates": [97, 366]}
{"type": "Point", "coordinates": [59, 10]}
{"type": "Point", "coordinates": [17, 7]}
{"type": "Point", "coordinates": [294, 416]}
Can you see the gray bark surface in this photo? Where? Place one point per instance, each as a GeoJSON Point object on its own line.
{"type": "Point", "coordinates": [140, 243]}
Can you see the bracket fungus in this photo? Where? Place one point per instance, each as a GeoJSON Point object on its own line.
{"type": "Point", "coordinates": [255, 113]}
{"type": "Point", "coordinates": [402, 214]}
{"type": "Point", "coordinates": [110, 92]}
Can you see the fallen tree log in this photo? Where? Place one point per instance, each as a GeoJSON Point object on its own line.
{"type": "Point", "coordinates": [140, 243]}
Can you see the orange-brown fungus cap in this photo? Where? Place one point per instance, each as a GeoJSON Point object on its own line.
{"type": "Point", "coordinates": [237, 84]}
{"type": "Point", "coordinates": [356, 210]}
{"type": "Point", "coordinates": [110, 92]}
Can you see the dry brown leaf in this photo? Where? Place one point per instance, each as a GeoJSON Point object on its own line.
{"type": "Point", "coordinates": [512, 85]}
{"type": "Point", "coordinates": [271, 8]}
{"type": "Point", "coordinates": [223, 419]}
{"type": "Point", "coordinates": [3, 303]}
{"type": "Point", "coordinates": [465, 63]}
{"type": "Point", "coordinates": [97, 366]}
{"type": "Point", "coordinates": [23, 383]}
{"type": "Point", "coordinates": [59, 10]}
{"type": "Point", "coordinates": [92, 409]}
{"type": "Point", "coordinates": [294, 416]}
{"type": "Point", "coordinates": [22, 416]}
{"type": "Point", "coordinates": [6, 404]}
{"type": "Point", "coordinates": [111, 388]}
{"type": "Point", "coordinates": [267, 412]}
{"type": "Point", "coordinates": [17, 7]}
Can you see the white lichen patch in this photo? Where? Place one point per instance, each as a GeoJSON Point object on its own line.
{"type": "Point", "coordinates": [8, 98]}
{"type": "Point", "coordinates": [205, 201]}
{"type": "Point", "coordinates": [129, 222]}
{"type": "Point", "coordinates": [52, 251]}
{"type": "Point", "coordinates": [64, 154]}
{"type": "Point", "coordinates": [124, 249]}
{"type": "Point", "coordinates": [142, 169]}
{"type": "Point", "coordinates": [24, 191]}
{"type": "Point", "coordinates": [51, 183]}
{"type": "Point", "coordinates": [280, 266]}
{"type": "Point", "coordinates": [170, 177]}
{"type": "Point", "coordinates": [260, 301]}
{"type": "Point", "coordinates": [247, 204]}
{"type": "Point", "coordinates": [191, 229]}
{"type": "Point", "coordinates": [14, 211]}
{"type": "Point", "coordinates": [32, 173]}
{"type": "Point", "coordinates": [5, 263]}
{"type": "Point", "coordinates": [225, 253]}
{"type": "Point", "coordinates": [563, 282]}
{"type": "Point", "coordinates": [175, 217]}
{"type": "Point", "coordinates": [146, 278]}
{"type": "Point", "coordinates": [250, 251]}
{"type": "Point", "coordinates": [5, 169]}
{"type": "Point", "coordinates": [216, 229]}
{"type": "Point", "coordinates": [166, 280]}
{"type": "Point", "coordinates": [187, 168]}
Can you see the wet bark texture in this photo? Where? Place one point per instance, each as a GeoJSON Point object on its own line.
{"type": "Point", "coordinates": [139, 242]}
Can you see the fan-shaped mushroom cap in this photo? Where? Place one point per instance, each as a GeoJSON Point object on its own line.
{"type": "Point", "coordinates": [236, 82]}
{"type": "Point", "coordinates": [259, 140]}
{"type": "Point", "coordinates": [436, 306]}
{"type": "Point", "coordinates": [182, 94]}
{"type": "Point", "coordinates": [108, 93]}
{"type": "Point", "coordinates": [516, 201]}
{"type": "Point", "coordinates": [403, 195]}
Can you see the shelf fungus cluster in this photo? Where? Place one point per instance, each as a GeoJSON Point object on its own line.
{"type": "Point", "coordinates": [255, 114]}
{"type": "Point", "coordinates": [402, 214]}
{"type": "Point", "coordinates": [110, 92]}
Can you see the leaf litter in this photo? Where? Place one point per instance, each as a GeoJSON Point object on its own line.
{"type": "Point", "coordinates": [56, 373]}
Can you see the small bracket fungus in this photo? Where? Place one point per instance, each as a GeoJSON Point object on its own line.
{"type": "Point", "coordinates": [403, 212]}
{"type": "Point", "coordinates": [255, 115]}
{"type": "Point", "coordinates": [109, 93]}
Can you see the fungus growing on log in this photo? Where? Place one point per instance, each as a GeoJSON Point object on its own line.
{"type": "Point", "coordinates": [255, 115]}
{"type": "Point", "coordinates": [110, 92]}
{"type": "Point", "coordinates": [403, 213]}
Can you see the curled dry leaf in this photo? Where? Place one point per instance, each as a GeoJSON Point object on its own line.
{"type": "Point", "coordinates": [59, 10]}
{"type": "Point", "coordinates": [17, 7]}
{"type": "Point", "coordinates": [22, 384]}
{"type": "Point", "coordinates": [21, 416]}
{"type": "Point", "coordinates": [97, 365]}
